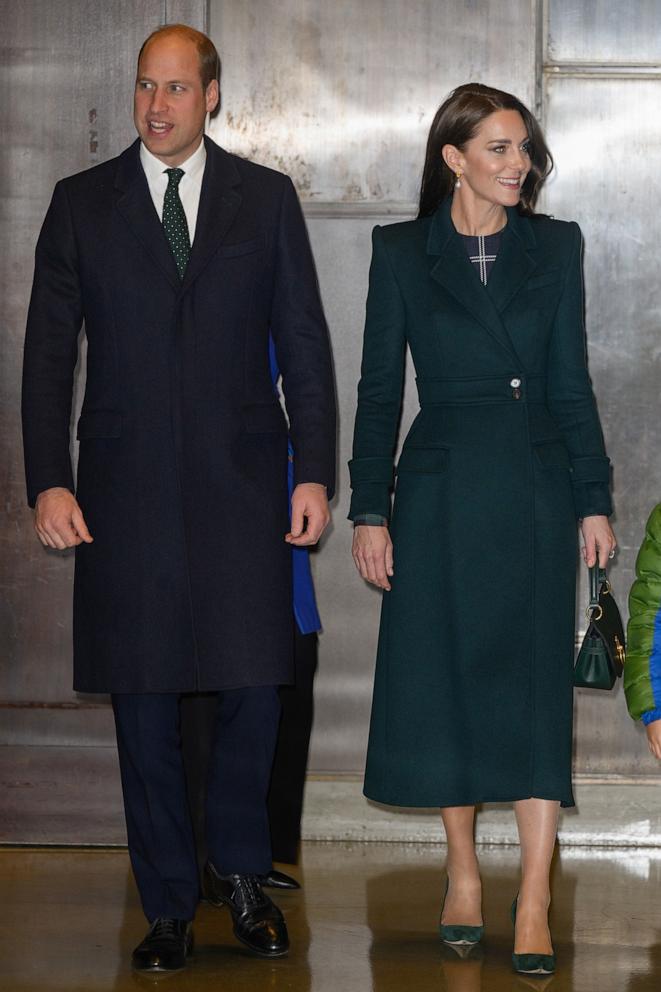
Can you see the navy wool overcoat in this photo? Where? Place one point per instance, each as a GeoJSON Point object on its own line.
{"type": "Point", "coordinates": [473, 691]}
{"type": "Point", "coordinates": [182, 473]}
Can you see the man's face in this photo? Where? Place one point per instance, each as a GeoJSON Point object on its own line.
{"type": "Point", "coordinates": [170, 105]}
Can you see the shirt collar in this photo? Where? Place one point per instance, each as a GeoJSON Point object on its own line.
{"type": "Point", "coordinates": [193, 166]}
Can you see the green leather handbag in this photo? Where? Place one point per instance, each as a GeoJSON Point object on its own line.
{"type": "Point", "coordinates": [601, 658]}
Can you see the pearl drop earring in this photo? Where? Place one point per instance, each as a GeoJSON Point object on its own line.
{"type": "Point", "coordinates": [457, 182]}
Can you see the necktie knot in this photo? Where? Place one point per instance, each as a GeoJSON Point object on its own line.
{"type": "Point", "coordinates": [174, 176]}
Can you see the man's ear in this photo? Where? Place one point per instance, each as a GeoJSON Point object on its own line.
{"type": "Point", "coordinates": [212, 96]}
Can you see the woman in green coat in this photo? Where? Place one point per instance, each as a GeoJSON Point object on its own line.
{"type": "Point", "coordinates": [473, 688]}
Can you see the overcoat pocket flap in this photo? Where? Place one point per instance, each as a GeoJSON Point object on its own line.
{"type": "Point", "coordinates": [552, 454]}
{"type": "Point", "coordinates": [241, 247]}
{"type": "Point", "coordinates": [550, 278]}
{"type": "Point", "coordinates": [99, 423]}
{"type": "Point", "coordinates": [423, 460]}
{"type": "Point", "coordinates": [264, 418]}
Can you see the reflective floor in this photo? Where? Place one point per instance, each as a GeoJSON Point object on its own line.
{"type": "Point", "coordinates": [365, 920]}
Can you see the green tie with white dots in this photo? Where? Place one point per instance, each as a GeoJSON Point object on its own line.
{"type": "Point", "coordinates": [174, 221]}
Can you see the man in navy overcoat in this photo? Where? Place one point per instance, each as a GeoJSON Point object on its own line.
{"type": "Point", "coordinates": [180, 259]}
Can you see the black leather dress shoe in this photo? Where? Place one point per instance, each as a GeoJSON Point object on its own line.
{"type": "Point", "coordinates": [165, 948]}
{"type": "Point", "coordinates": [278, 880]}
{"type": "Point", "coordinates": [258, 923]}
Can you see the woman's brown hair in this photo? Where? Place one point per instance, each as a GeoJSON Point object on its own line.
{"type": "Point", "coordinates": [456, 122]}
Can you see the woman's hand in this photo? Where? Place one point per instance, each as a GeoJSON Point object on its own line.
{"type": "Point", "coordinates": [372, 553]}
{"type": "Point", "coordinates": [654, 737]}
{"type": "Point", "coordinates": [598, 541]}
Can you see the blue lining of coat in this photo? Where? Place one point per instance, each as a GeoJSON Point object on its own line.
{"type": "Point", "coordinates": [305, 606]}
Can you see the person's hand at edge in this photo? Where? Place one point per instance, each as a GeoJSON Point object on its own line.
{"type": "Point", "coordinates": [310, 514]}
{"type": "Point", "coordinates": [59, 521]}
{"type": "Point", "coordinates": [373, 554]}
{"type": "Point", "coordinates": [598, 541]}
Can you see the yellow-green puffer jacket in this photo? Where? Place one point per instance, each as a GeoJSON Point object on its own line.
{"type": "Point", "coordinates": [642, 671]}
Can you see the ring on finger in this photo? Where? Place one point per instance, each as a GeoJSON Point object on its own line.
{"type": "Point", "coordinates": [611, 553]}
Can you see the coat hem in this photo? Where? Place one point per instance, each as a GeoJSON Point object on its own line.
{"type": "Point", "coordinates": [184, 691]}
{"type": "Point", "coordinates": [565, 803]}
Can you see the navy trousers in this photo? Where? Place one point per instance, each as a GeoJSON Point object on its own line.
{"type": "Point", "coordinates": [160, 834]}
{"type": "Point", "coordinates": [285, 801]}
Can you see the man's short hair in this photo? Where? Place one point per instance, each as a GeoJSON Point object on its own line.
{"type": "Point", "coordinates": [206, 50]}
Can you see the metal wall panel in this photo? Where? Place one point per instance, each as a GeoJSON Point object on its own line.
{"type": "Point", "coordinates": [66, 78]}
{"type": "Point", "coordinates": [605, 133]}
{"type": "Point", "coordinates": [604, 31]}
{"type": "Point", "coordinates": [341, 95]}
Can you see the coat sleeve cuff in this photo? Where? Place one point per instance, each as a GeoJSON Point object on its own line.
{"type": "Point", "coordinates": [370, 498]}
{"type": "Point", "coordinates": [371, 470]}
{"type": "Point", "coordinates": [650, 716]}
{"type": "Point", "coordinates": [591, 468]}
{"type": "Point", "coordinates": [372, 479]}
{"type": "Point", "coordinates": [36, 486]}
{"type": "Point", "coordinates": [590, 475]}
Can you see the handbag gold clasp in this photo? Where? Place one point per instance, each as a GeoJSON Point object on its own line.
{"type": "Point", "coordinates": [619, 651]}
{"type": "Point", "coordinates": [590, 616]}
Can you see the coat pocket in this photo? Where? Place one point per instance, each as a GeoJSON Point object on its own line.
{"type": "Point", "coordinates": [424, 461]}
{"type": "Point", "coordinates": [551, 455]}
{"type": "Point", "coordinates": [551, 278]}
{"type": "Point", "coordinates": [241, 248]}
{"type": "Point", "coordinates": [99, 423]}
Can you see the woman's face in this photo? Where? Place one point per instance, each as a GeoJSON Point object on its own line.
{"type": "Point", "coordinates": [494, 164]}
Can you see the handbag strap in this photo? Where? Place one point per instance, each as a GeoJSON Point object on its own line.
{"type": "Point", "coordinates": [597, 576]}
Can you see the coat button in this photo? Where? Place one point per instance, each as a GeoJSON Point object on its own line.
{"type": "Point", "coordinates": [516, 391]}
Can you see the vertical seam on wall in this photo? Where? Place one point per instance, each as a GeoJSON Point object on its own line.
{"type": "Point", "coordinates": [540, 14]}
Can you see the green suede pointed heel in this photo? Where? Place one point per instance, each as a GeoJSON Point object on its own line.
{"type": "Point", "coordinates": [531, 964]}
{"type": "Point", "coordinates": [459, 934]}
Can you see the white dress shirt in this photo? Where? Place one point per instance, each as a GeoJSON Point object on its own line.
{"type": "Point", "coordinates": [190, 183]}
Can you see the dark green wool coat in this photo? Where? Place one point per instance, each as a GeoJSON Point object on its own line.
{"type": "Point", "coordinates": [473, 691]}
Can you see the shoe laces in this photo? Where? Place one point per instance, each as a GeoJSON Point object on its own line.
{"type": "Point", "coordinates": [164, 927]}
{"type": "Point", "coordinates": [249, 888]}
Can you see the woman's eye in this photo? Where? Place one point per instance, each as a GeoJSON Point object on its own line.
{"type": "Point", "coordinates": [525, 148]}
{"type": "Point", "coordinates": [499, 148]}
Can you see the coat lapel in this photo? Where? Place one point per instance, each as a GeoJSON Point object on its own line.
{"type": "Point", "coordinates": [219, 203]}
{"type": "Point", "coordinates": [514, 264]}
{"type": "Point", "coordinates": [137, 208]}
{"type": "Point", "coordinates": [452, 268]}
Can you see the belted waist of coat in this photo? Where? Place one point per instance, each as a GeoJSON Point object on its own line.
{"type": "Point", "coordinates": [494, 389]}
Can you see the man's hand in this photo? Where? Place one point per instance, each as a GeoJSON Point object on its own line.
{"type": "Point", "coordinates": [599, 541]}
{"type": "Point", "coordinates": [58, 520]}
{"type": "Point", "coordinates": [372, 552]}
{"type": "Point", "coordinates": [653, 731]}
{"type": "Point", "coordinates": [309, 501]}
